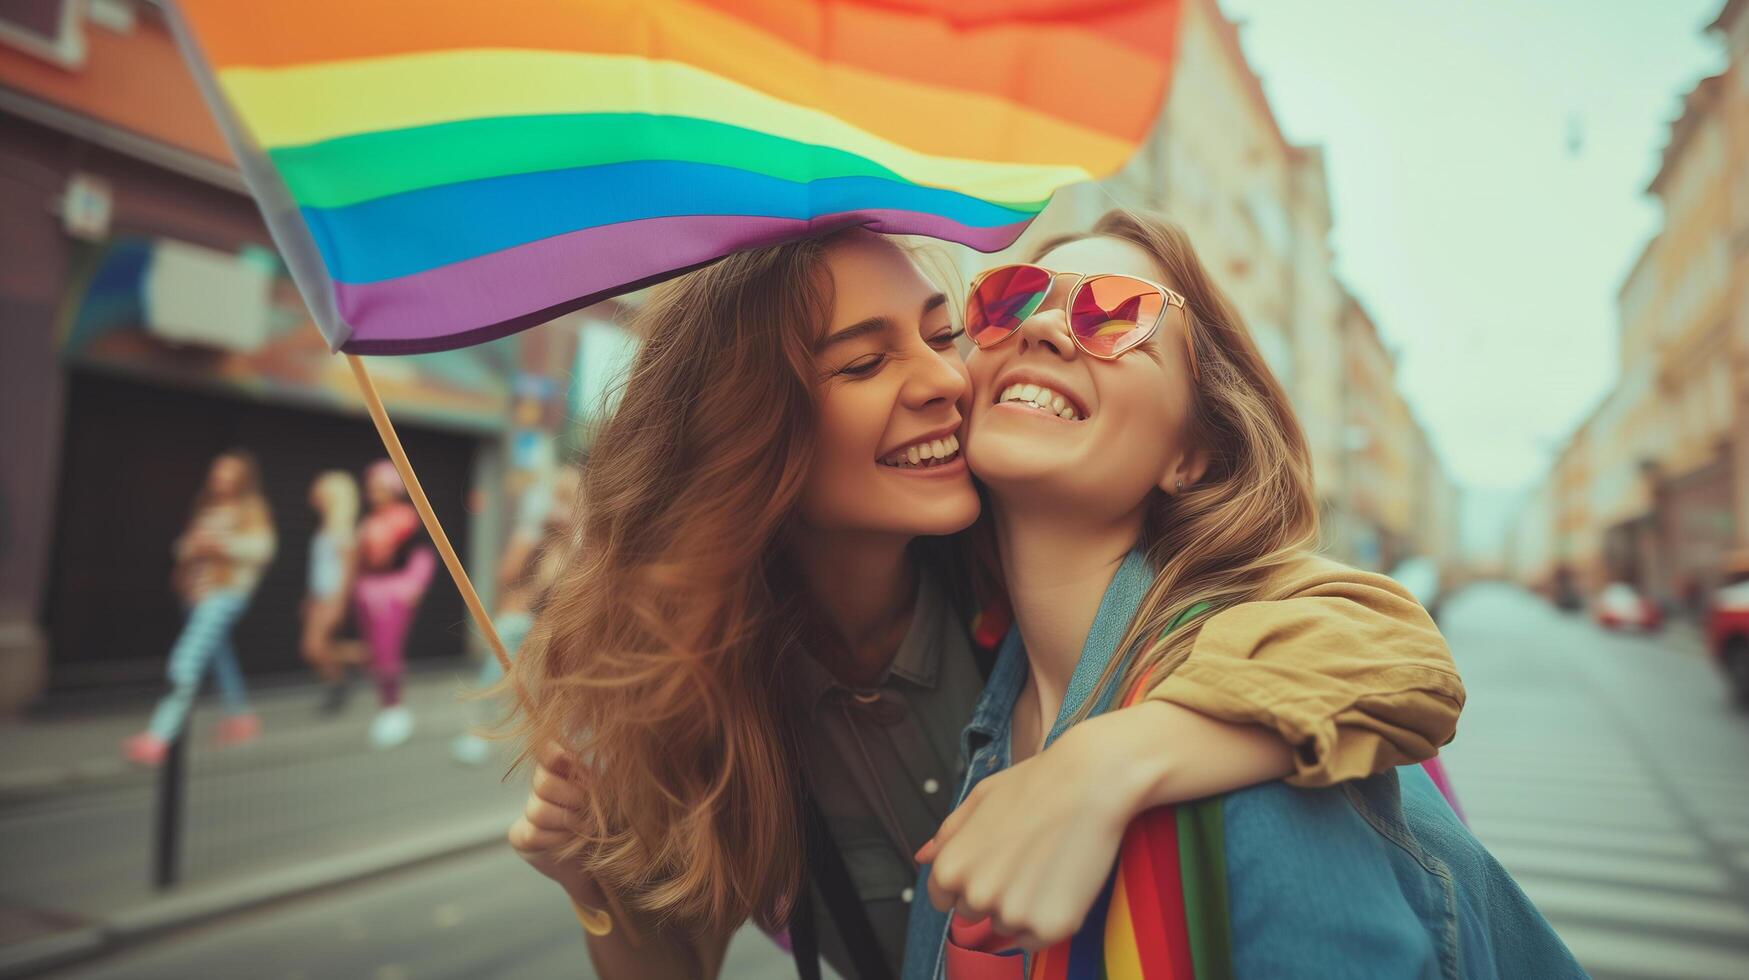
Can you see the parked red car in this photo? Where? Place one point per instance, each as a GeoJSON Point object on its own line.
{"type": "Point", "coordinates": [1727, 626]}
{"type": "Point", "coordinates": [1621, 606]}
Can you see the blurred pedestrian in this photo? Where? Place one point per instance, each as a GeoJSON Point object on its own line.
{"type": "Point", "coordinates": [334, 497]}
{"type": "Point", "coordinates": [394, 569]}
{"type": "Point", "coordinates": [219, 559]}
{"type": "Point", "coordinates": [529, 566]}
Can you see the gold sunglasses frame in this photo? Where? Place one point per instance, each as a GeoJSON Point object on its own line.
{"type": "Point", "coordinates": [1172, 297]}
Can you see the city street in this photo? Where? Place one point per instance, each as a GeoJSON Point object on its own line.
{"type": "Point", "coordinates": [1606, 771]}
{"type": "Point", "coordinates": [1610, 774]}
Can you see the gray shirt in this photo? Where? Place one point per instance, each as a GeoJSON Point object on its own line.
{"type": "Point", "coordinates": [883, 764]}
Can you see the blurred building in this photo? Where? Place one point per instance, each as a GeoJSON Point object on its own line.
{"type": "Point", "coordinates": [1258, 209]}
{"type": "Point", "coordinates": [1653, 487]}
{"type": "Point", "coordinates": [146, 324]}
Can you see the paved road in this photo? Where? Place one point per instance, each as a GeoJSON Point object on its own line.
{"type": "Point", "coordinates": [1610, 774]}
{"type": "Point", "coordinates": [483, 915]}
{"type": "Point", "coordinates": [1606, 771]}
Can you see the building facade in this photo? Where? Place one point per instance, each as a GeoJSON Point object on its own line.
{"type": "Point", "coordinates": [1653, 488]}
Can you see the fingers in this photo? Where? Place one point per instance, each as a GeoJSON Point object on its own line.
{"type": "Point", "coordinates": [930, 851]}
{"type": "Point", "coordinates": [556, 789]}
{"type": "Point", "coordinates": [529, 840]}
{"type": "Point", "coordinates": [545, 815]}
{"type": "Point", "coordinates": [559, 759]}
{"type": "Point", "coordinates": [944, 891]}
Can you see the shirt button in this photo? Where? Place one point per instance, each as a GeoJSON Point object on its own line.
{"type": "Point", "coordinates": [930, 785]}
{"type": "Point", "coordinates": [906, 895]}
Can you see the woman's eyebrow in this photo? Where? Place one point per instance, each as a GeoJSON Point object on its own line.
{"type": "Point", "coordinates": [934, 303]}
{"type": "Point", "coordinates": [861, 328]}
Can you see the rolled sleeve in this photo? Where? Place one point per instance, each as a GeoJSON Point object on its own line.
{"type": "Point", "coordinates": [1345, 665]}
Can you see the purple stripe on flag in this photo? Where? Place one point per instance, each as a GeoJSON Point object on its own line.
{"type": "Point", "coordinates": [487, 297]}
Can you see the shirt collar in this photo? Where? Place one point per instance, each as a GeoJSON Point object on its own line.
{"type": "Point", "coordinates": [918, 660]}
{"type": "Point", "coordinates": [1123, 596]}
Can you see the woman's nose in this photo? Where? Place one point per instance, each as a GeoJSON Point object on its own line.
{"type": "Point", "coordinates": [1047, 329]}
{"type": "Point", "coordinates": [940, 377]}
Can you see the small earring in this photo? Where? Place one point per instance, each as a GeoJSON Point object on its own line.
{"type": "Point", "coordinates": [1180, 486]}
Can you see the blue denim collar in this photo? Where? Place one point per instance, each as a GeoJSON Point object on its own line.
{"type": "Point", "coordinates": [990, 720]}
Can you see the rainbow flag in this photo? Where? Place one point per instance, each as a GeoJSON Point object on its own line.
{"type": "Point", "coordinates": [442, 172]}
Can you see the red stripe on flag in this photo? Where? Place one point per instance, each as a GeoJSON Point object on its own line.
{"type": "Point", "coordinates": [1053, 963]}
{"type": "Point", "coordinates": [1144, 879]}
{"type": "Point", "coordinates": [1162, 837]}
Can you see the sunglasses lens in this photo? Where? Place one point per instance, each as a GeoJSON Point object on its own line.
{"type": "Point", "coordinates": [1111, 314]}
{"type": "Point", "coordinates": [1002, 302]}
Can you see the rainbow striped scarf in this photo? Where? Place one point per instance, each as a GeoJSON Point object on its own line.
{"type": "Point", "coordinates": [442, 172]}
{"type": "Point", "coordinates": [1163, 913]}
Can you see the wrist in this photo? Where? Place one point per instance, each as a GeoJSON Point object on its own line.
{"type": "Point", "coordinates": [1130, 760]}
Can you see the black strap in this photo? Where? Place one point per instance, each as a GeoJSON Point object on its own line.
{"type": "Point", "coordinates": [830, 875]}
{"type": "Point", "coordinates": [804, 944]}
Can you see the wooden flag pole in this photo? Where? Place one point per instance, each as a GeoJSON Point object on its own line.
{"type": "Point", "coordinates": [416, 494]}
{"type": "Point", "coordinates": [595, 921]}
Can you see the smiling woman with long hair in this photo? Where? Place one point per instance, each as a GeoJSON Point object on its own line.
{"type": "Point", "coordinates": [1160, 507]}
{"type": "Point", "coordinates": [744, 693]}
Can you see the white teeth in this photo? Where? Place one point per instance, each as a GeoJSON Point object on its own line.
{"type": "Point", "coordinates": [1041, 398]}
{"type": "Point", "coordinates": [922, 453]}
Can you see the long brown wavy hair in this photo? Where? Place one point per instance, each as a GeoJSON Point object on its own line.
{"type": "Point", "coordinates": [660, 651]}
{"type": "Point", "coordinates": [1254, 510]}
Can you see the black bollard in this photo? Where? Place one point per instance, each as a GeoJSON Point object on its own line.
{"type": "Point", "coordinates": [172, 784]}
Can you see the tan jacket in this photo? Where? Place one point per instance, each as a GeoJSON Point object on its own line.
{"type": "Point", "coordinates": [1345, 664]}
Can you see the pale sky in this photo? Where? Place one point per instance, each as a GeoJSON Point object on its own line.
{"type": "Point", "coordinates": [1488, 252]}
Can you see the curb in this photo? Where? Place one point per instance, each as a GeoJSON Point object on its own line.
{"type": "Point", "coordinates": [137, 925]}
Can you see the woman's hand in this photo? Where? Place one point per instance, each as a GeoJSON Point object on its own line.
{"type": "Point", "coordinates": [632, 948]}
{"type": "Point", "coordinates": [545, 827]}
{"type": "Point", "coordinates": [1032, 846]}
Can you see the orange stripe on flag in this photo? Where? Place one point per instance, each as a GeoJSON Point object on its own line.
{"type": "Point", "coordinates": [796, 50]}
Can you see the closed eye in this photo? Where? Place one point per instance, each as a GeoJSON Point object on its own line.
{"type": "Point", "coordinates": [862, 367]}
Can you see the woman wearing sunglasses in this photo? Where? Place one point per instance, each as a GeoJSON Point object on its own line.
{"type": "Point", "coordinates": [749, 682]}
{"type": "Point", "coordinates": [1152, 502]}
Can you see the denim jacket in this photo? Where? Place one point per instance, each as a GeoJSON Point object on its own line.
{"type": "Point", "coordinates": [1371, 878]}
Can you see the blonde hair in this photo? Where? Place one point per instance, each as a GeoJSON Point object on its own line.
{"type": "Point", "coordinates": [1254, 511]}
{"type": "Point", "coordinates": [337, 495]}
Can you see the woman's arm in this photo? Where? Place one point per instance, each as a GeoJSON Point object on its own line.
{"type": "Point", "coordinates": [1346, 667]}
{"type": "Point", "coordinates": [1033, 845]}
{"type": "Point", "coordinates": [1342, 677]}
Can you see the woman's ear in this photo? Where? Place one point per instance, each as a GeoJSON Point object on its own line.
{"type": "Point", "coordinates": [1185, 472]}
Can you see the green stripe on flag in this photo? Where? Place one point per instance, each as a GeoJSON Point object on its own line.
{"type": "Point", "coordinates": [351, 169]}
{"type": "Point", "coordinates": [1202, 860]}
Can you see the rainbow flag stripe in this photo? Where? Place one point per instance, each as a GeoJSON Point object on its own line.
{"type": "Point", "coordinates": [1163, 913]}
{"type": "Point", "coordinates": [441, 172]}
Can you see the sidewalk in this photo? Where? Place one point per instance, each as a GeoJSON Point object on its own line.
{"type": "Point", "coordinates": [67, 752]}
{"type": "Point", "coordinates": [309, 805]}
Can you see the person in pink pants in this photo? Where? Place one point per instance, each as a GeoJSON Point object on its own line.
{"type": "Point", "coordinates": [395, 566]}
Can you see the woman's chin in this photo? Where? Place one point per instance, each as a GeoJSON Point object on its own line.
{"type": "Point", "coordinates": [948, 514]}
{"type": "Point", "coordinates": [1003, 462]}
